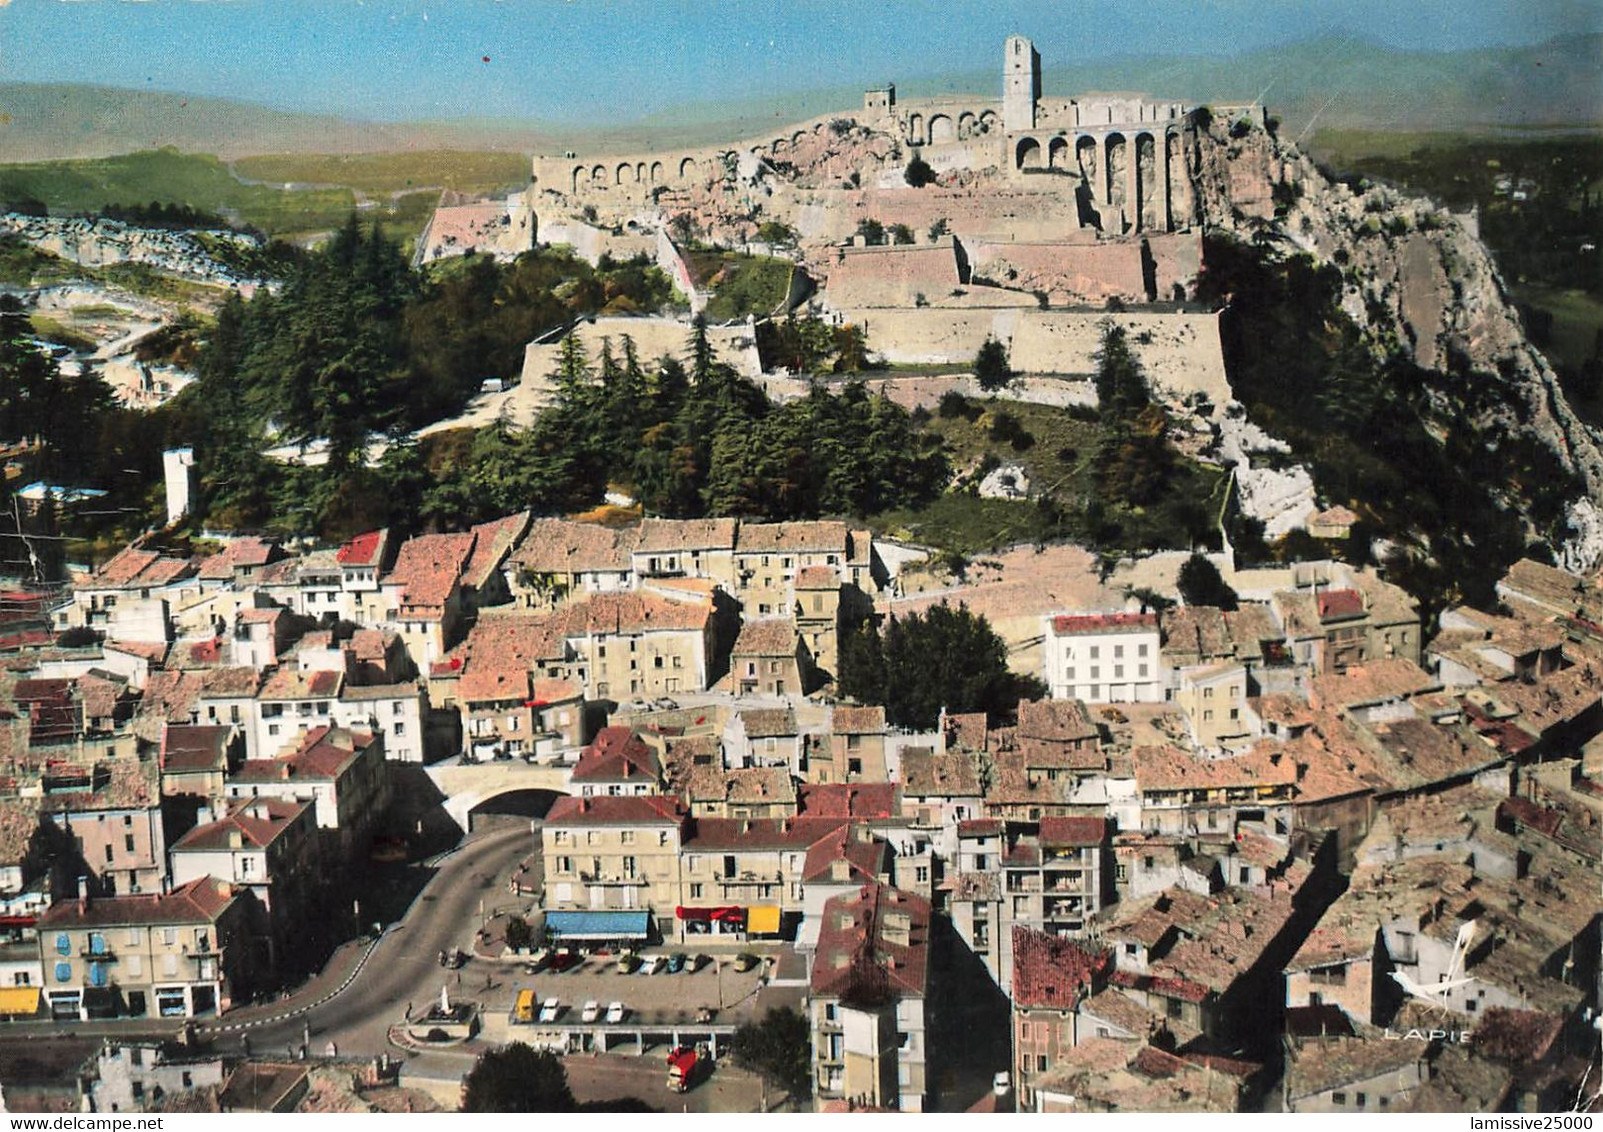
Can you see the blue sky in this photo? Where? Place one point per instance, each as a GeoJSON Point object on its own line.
{"type": "Point", "coordinates": [613, 62]}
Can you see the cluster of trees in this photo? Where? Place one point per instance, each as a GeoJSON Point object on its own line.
{"type": "Point", "coordinates": [1404, 444]}
{"type": "Point", "coordinates": [357, 344]}
{"type": "Point", "coordinates": [779, 1046]}
{"type": "Point", "coordinates": [159, 215]}
{"type": "Point", "coordinates": [1135, 462]}
{"type": "Point", "coordinates": [875, 234]}
{"type": "Point", "coordinates": [519, 1078]}
{"type": "Point", "coordinates": [920, 663]}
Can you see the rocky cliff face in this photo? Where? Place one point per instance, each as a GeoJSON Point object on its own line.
{"type": "Point", "coordinates": [1418, 282]}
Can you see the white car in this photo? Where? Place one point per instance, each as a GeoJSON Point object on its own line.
{"type": "Point", "coordinates": [592, 1011]}
{"type": "Point", "coordinates": [549, 1011]}
{"type": "Point", "coordinates": [615, 1013]}
{"type": "Point", "coordinates": [654, 965]}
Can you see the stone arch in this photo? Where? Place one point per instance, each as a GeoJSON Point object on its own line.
{"type": "Point", "coordinates": [640, 171]}
{"type": "Point", "coordinates": [598, 174]}
{"type": "Point", "coordinates": [987, 121]}
{"type": "Point", "coordinates": [1115, 165]}
{"type": "Point", "coordinates": [1027, 154]}
{"type": "Point", "coordinates": [779, 145]}
{"type": "Point", "coordinates": [578, 171]}
{"type": "Point", "coordinates": [1146, 214]}
{"type": "Point", "coordinates": [687, 166]}
{"type": "Point", "coordinates": [1057, 153]}
{"type": "Point", "coordinates": [1177, 186]}
{"type": "Point", "coordinates": [625, 170]}
{"type": "Point", "coordinates": [796, 138]}
{"type": "Point", "coordinates": [942, 129]}
{"type": "Point", "coordinates": [656, 172]}
{"type": "Point", "coordinates": [915, 127]}
{"type": "Point", "coordinates": [965, 124]}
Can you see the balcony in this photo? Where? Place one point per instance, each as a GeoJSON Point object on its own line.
{"type": "Point", "coordinates": [1028, 882]}
{"type": "Point", "coordinates": [101, 954]}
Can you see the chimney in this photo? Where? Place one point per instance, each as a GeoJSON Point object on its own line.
{"type": "Point", "coordinates": [83, 893]}
{"type": "Point", "coordinates": [235, 839]}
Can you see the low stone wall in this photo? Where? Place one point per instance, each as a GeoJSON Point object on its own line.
{"type": "Point", "coordinates": [1181, 353]}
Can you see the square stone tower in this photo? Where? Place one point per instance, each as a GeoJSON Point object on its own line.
{"type": "Point", "coordinates": [1021, 83]}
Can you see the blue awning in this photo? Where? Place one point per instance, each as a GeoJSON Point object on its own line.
{"type": "Point", "coordinates": [597, 925]}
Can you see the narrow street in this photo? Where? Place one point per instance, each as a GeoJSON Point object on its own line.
{"type": "Point", "coordinates": [403, 967]}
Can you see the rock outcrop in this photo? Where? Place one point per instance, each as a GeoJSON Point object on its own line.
{"type": "Point", "coordinates": [1417, 282]}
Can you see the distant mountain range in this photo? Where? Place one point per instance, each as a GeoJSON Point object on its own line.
{"type": "Point", "coordinates": [1330, 82]}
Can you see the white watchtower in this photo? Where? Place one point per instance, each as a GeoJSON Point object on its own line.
{"type": "Point", "coordinates": [1021, 83]}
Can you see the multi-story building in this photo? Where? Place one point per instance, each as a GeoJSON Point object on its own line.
{"type": "Point", "coordinates": [135, 1076]}
{"type": "Point", "coordinates": [685, 548]}
{"type": "Point", "coordinates": [855, 751]}
{"type": "Point", "coordinates": [1213, 698]}
{"type": "Point", "coordinates": [266, 845]}
{"type": "Point", "coordinates": [615, 854]}
{"type": "Point", "coordinates": [112, 810]}
{"type": "Point", "coordinates": [561, 559]}
{"type": "Point", "coordinates": [1052, 978]}
{"type": "Point", "coordinates": [769, 556]}
{"type": "Point", "coordinates": [617, 763]}
{"type": "Point", "coordinates": [344, 775]}
{"type": "Point", "coordinates": [770, 659]}
{"type": "Point", "coordinates": [1103, 657]}
{"type": "Point", "coordinates": [868, 986]}
{"type": "Point", "coordinates": [192, 951]}
{"type": "Point", "coordinates": [131, 597]}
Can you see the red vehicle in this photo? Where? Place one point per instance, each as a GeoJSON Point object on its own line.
{"type": "Point", "coordinates": [686, 1066]}
{"type": "Point", "coordinates": [565, 960]}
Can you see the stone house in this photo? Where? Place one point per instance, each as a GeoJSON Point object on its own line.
{"type": "Point", "coordinates": [868, 986]}
{"type": "Point", "coordinates": [769, 658]}
{"type": "Point", "coordinates": [191, 951]}
{"type": "Point", "coordinates": [615, 854]}
{"type": "Point", "coordinates": [341, 772]}
{"type": "Point", "coordinates": [1103, 657]}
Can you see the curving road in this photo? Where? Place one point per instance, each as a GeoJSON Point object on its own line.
{"type": "Point", "coordinates": [404, 965]}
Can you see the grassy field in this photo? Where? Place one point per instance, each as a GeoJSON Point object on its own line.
{"type": "Point", "coordinates": [741, 284]}
{"type": "Point", "coordinates": [1058, 453]}
{"type": "Point", "coordinates": [205, 183]}
{"type": "Point", "coordinates": [22, 265]}
{"type": "Point", "coordinates": [382, 173]}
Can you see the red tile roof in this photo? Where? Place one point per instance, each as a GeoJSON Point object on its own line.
{"type": "Point", "coordinates": [849, 800]}
{"type": "Point", "coordinates": [857, 944]}
{"type": "Point", "coordinates": [1051, 971]}
{"type": "Point", "coordinates": [858, 721]}
{"type": "Point", "coordinates": [194, 748]}
{"type": "Point", "coordinates": [649, 809]}
{"type": "Point", "coordinates": [324, 753]}
{"type": "Point", "coordinates": [429, 567]}
{"type": "Point", "coordinates": [774, 636]}
{"type": "Point", "coordinates": [259, 822]}
{"type": "Point", "coordinates": [617, 754]}
{"type": "Point", "coordinates": [1074, 831]}
{"type": "Point", "coordinates": [1340, 605]}
{"type": "Point", "coordinates": [1104, 623]}
{"type": "Point", "coordinates": [493, 541]}
{"type": "Point", "coordinates": [201, 901]}
{"type": "Point", "coordinates": [361, 550]}
{"type": "Point", "coordinates": [864, 855]}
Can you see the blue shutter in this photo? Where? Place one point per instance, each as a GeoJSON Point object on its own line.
{"type": "Point", "coordinates": [63, 972]}
{"type": "Point", "coordinates": [63, 943]}
{"type": "Point", "coordinates": [97, 975]}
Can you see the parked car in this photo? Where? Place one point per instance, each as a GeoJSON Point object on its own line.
{"type": "Point", "coordinates": [591, 1011]}
{"type": "Point", "coordinates": [745, 961]}
{"type": "Point", "coordinates": [627, 962]}
{"type": "Point", "coordinates": [696, 963]}
{"type": "Point", "coordinates": [565, 960]}
{"type": "Point", "coordinates": [538, 962]}
{"type": "Point", "coordinates": [615, 1013]}
{"type": "Point", "coordinates": [550, 1010]}
{"type": "Point", "coordinates": [665, 704]}
{"type": "Point", "coordinates": [653, 965]}
{"type": "Point", "coordinates": [676, 962]}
